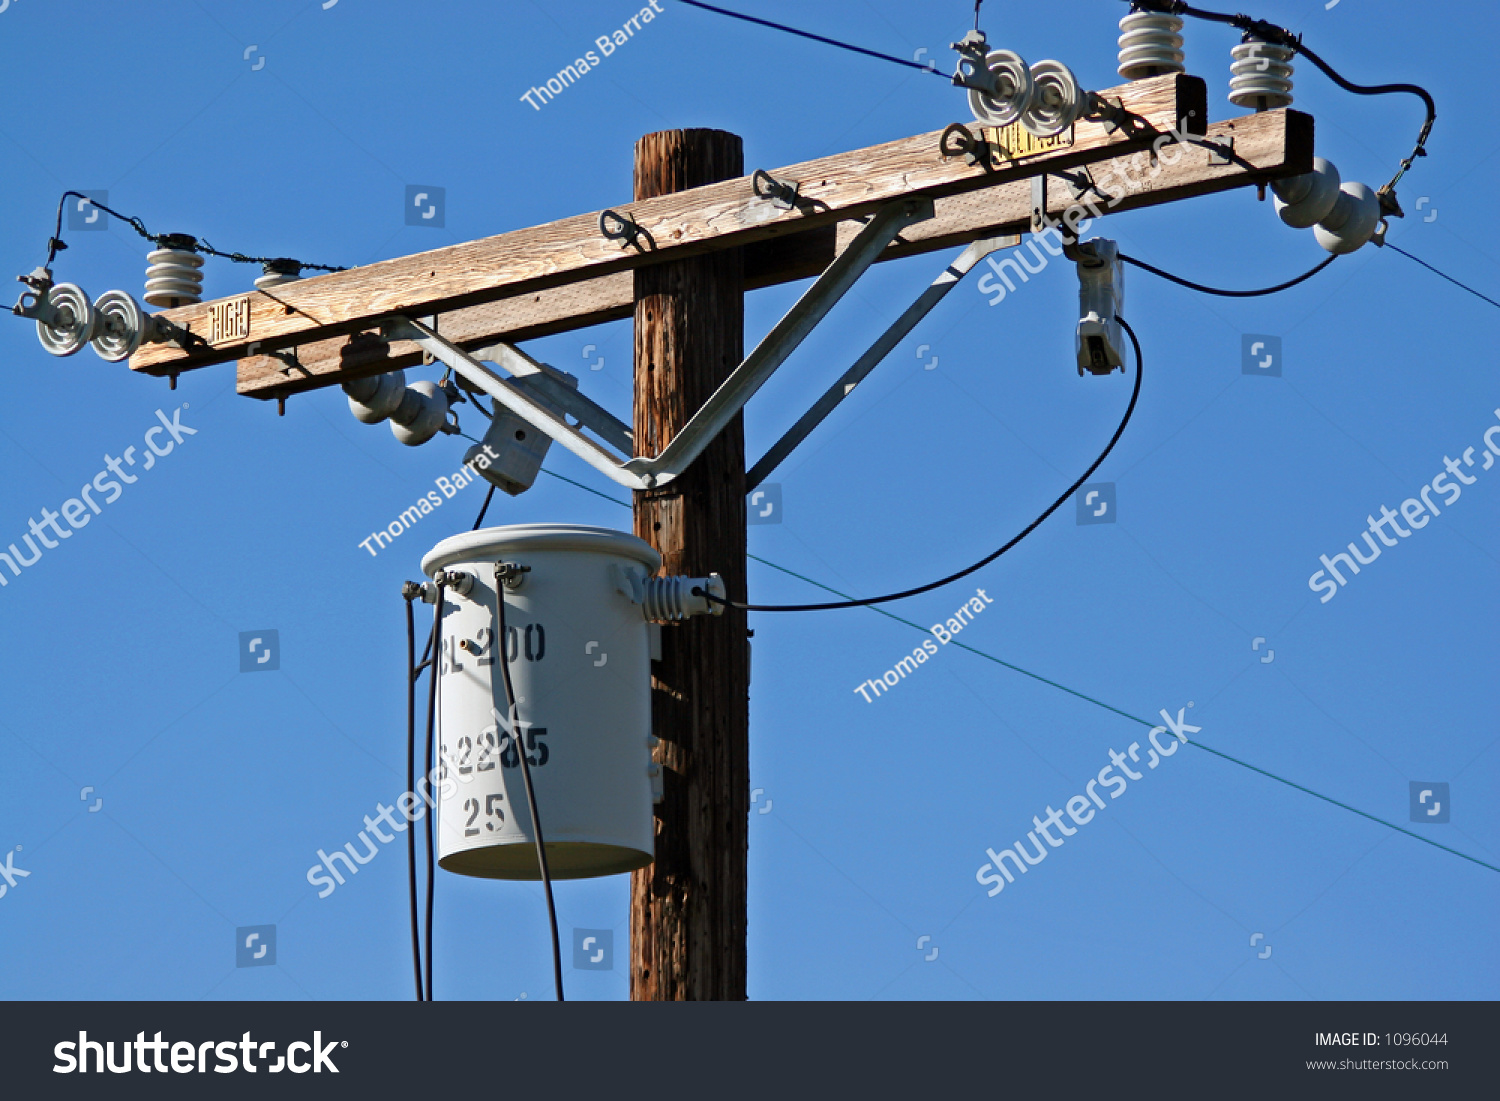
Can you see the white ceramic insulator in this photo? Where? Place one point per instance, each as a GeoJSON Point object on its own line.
{"type": "Point", "coordinates": [1014, 79]}
{"type": "Point", "coordinates": [121, 327]}
{"type": "Point", "coordinates": [67, 320]}
{"type": "Point", "coordinates": [1057, 100]}
{"type": "Point", "coordinates": [1304, 201]}
{"type": "Point", "coordinates": [1150, 45]}
{"type": "Point", "coordinates": [174, 278]}
{"type": "Point", "coordinates": [669, 598]}
{"type": "Point", "coordinates": [373, 399]}
{"type": "Point", "coordinates": [275, 279]}
{"type": "Point", "coordinates": [1352, 221]}
{"type": "Point", "coordinates": [421, 415]}
{"type": "Point", "coordinates": [1260, 75]}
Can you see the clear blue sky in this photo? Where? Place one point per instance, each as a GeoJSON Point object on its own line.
{"type": "Point", "coordinates": [121, 670]}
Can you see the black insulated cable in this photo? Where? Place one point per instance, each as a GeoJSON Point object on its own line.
{"type": "Point", "coordinates": [410, 591]}
{"type": "Point", "coordinates": [484, 509]}
{"type": "Point", "coordinates": [432, 692]}
{"type": "Point", "coordinates": [1280, 36]}
{"type": "Point", "coordinates": [1190, 285]}
{"type": "Point", "coordinates": [163, 240]}
{"type": "Point", "coordinates": [514, 714]}
{"type": "Point", "coordinates": [1135, 393]}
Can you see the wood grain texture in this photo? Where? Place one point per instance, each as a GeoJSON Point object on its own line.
{"type": "Point", "coordinates": [1268, 146]}
{"type": "Point", "coordinates": [691, 222]}
{"type": "Point", "coordinates": [688, 909]}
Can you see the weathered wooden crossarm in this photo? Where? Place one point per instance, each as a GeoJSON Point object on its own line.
{"type": "Point", "coordinates": [723, 215]}
{"type": "Point", "coordinates": [1266, 146]}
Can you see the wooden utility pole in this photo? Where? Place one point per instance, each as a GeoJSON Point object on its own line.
{"type": "Point", "coordinates": [700, 234]}
{"type": "Point", "coordinates": [687, 910]}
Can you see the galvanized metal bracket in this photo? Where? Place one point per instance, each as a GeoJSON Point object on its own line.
{"type": "Point", "coordinates": [780, 342]}
{"type": "Point", "coordinates": [1220, 152]}
{"type": "Point", "coordinates": [1039, 202]}
{"type": "Point", "coordinates": [781, 193]}
{"type": "Point", "coordinates": [519, 393]}
{"type": "Point", "coordinates": [947, 279]}
{"type": "Point", "coordinates": [516, 395]}
{"type": "Point", "coordinates": [549, 382]}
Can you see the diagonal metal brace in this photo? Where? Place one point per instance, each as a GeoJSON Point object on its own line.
{"type": "Point", "coordinates": [949, 278]}
{"type": "Point", "coordinates": [722, 407]}
{"type": "Point", "coordinates": [548, 382]}
{"type": "Point", "coordinates": [512, 394]}
{"type": "Point", "coordinates": [780, 342]}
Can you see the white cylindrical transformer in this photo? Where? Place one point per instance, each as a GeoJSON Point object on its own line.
{"type": "Point", "coordinates": [578, 644]}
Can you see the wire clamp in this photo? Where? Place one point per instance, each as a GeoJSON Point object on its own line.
{"type": "Point", "coordinates": [959, 141]}
{"type": "Point", "coordinates": [511, 574]}
{"type": "Point", "coordinates": [623, 229]}
{"type": "Point", "coordinates": [767, 186]}
{"type": "Point", "coordinates": [39, 282]}
{"type": "Point", "coordinates": [973, 70]}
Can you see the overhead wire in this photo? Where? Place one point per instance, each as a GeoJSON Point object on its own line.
{"type": "Point", "coordinates": [815, 37]}
{"type": "Point", "coordinates": [1071, 691]}
{"type": "Point", "coordinates": [1443, 275]}
{"type": "Point", "coordinates": [164, 240]}
{"type": "Point", "coordinates": [484, 508]}
{"type": "Point", "coordinates": [1281, 36]}
{"type": "Point", "coordinates": [1135, 394]}
{"type": "Point", "coordinates": [1190, 285]}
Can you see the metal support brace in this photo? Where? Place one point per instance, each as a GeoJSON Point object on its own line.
{"type": "Point", "coordinates": [717, 411]}
{"type": "Point", "coordinates": [514, 396]}
{"type": "Point", "coordinates": [950, 277]}
{"type": "Point", "coordinates": [543, 379]}
{"type": "Point", "coordinates": [780, 342]}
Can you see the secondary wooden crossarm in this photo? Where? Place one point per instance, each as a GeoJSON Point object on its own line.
{"type": "Point", "coordinates": [702, 219]}
{"type": "Point", "coordinates": [1266, 146]}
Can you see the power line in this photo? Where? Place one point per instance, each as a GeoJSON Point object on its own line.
{"type": "Point", "coordinates": [817, 37]}
{"type": "Point", "coordinates": [478, 520]}
{"type": "Point", "coordinates": [987, 559]}
{"type": "Point", "coordinates": [1143, 722]}
{"type": "Point", "coordinates": [1444, 275]}
{"type": "Point", "coordinates": [1190, 285]}
{"type": "Point", "coordinates": [165, 240]}
{"type": "Point", "coordinates": [1080, 695]}
{"type": "Point", "coordinates": [1280, 36]}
